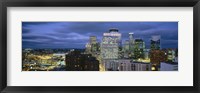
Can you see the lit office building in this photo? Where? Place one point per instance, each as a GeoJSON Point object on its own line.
{"type": "Point", "coordinates": [131, 45]}
{"type": "Point", "coordinates": [171, 55]}
{"type": "Point", "coordinates": [92, 46]}
{"type": "Point", "coordinates": [88, 48]}
{"type": "Point", "coordinates": [126, 49]}
{"type": "Point", "coordinates": [110, 48]}
{"type": "Point", "coordinates": [139, 47]}
{"type": "Point", "coordinates": [126, 45]}
{"type": "Point", "coordinates": [93, 43]}
{"type": "Point", "coordinates": [146, 53]}
{"type": "Point", "coordinates": [93, 39]}
{"type": "Point", "coordinates": [155, 42]}
{"type": "Point", "coordinates": [110, 44]}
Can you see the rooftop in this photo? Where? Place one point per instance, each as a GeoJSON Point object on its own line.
{"type": "Point", "coordinates": [113, 30]}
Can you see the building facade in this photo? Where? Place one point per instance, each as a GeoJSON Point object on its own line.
{"type": "Point", "coordinates": [76, 61]}
{"type": "Point", "coordinates": [110, 44]}
{"type": "Point", "coordinates": [155, 42]}
{"type": "Point", "coordinates": [131, 45]}
{"type": "Point", "coordinates": [126, 49]}
{"type": "Point", "coordinates": [139, 47]}
{"type": "Point", "coordinates": [128, 65]}
{"type": "Point", "coordinates": [94, 44]}
{"type": "Point", "coordinates": [169, 66]}
{"type": "Point", "coordinates": [110, 48]}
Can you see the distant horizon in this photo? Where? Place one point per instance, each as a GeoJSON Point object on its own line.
{"type": "Point", "coordinates": [75, 35]}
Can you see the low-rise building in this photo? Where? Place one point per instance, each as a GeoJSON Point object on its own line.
{"type": "Point", "coordinates": [169, 66]}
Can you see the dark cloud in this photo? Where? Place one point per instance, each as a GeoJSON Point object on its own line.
{"type": "Point", "coordinates": [76, 34]}
{"type": "Point", "coordinates": [25, 30]}
{"type": "Point", "coordinates": [169, 43]}
{"type": "Point", "coordinates": [35, 23]}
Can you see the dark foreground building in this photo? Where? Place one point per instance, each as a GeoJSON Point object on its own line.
{"type": "Point", "coordinates": [76, 61]}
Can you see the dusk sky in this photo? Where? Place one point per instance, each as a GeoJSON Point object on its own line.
{"type": "Point", "coordinates": [76, 34]}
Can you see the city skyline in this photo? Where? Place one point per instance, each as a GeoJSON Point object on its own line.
{"type": "Point", "coordinates": [76, 34]}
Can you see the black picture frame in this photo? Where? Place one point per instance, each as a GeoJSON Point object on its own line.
{"type": "Point", "coordinates": [98, 3]}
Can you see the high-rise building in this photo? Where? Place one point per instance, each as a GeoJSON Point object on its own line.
{"type": "Point", "coordinates": [146, 53]}
{"type": "Point", "coordinates": [126, 46]}
{"type": "Point", "coordinates": [126, 49]}
{"type": "Point", "coordinates": [155, 42]}
{"type": "Point", "coordinates": [110, 46]}
{"type": "Point", "coordinates": [131, 41]}
{"type": "Point", "coordinates": [139, 47]}
{"type": "Point", "coordinates": [88, 48]}
{"type": "Point", "coordinates": [93, 43]}
{"type": "Point", "coordinates": [92, 46]}
{"type": "Point", "coordinates": [93, 39]}
{"type": "Point", "coordinates": [131, 45]}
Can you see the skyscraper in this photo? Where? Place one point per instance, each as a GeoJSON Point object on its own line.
{"type": "Point", "coordinates": [110, 44]}
{"type": "Point", "coordinates": [93, 43]}
{"type": "Point", "coordinates": [93, 39]}
{"type": "Point", "coordinates": [110, 49]}
{"type": "Point", "coordinates": [88, 48]}
{"type": "Point", "coordinates": [126, 49]}
{"type": "Point", "coordinates": [155, 42]}
{"type": "Point", "coordinates": [139, 48]}
{"type": "Point", "coordinates": [131, 45]}
{"type": "Point", "coordinates": [92, 46]}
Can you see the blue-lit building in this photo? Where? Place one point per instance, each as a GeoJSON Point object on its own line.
{"type": "Point", "coordinates": [155, 42]}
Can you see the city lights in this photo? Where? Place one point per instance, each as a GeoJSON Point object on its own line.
{"type": "Point", "coordinates": [112, 50]}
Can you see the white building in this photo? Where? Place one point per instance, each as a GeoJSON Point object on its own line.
{"type": "Point", "coordinates": [110, 65]}
{"type": "Point", "coordinates": [110, 44]}
{"type": "Point", "coordinates": [140, 66]}
{"type": "Point", "coordinates": [124, 65]}
{"type": "Point", "coordinates": [127, 65]}
{"type": "Point", "coordinates": [110, 49]}
{"type": "Point", "coordinates": [169, 66]}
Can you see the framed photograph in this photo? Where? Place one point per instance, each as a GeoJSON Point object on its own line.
{"type": "Point", "coordinates": [99, 46]}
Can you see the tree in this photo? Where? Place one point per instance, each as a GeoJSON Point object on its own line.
{"type": "Point", "coordinates": [157, 56]}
